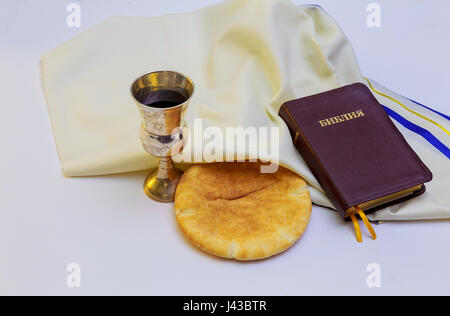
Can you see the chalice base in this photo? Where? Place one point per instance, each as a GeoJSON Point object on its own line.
{"type": "Point", "coordinates": [161, 184]}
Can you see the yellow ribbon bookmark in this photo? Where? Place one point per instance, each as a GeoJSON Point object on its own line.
{"type": "Point", "coordinates": [366, 222]}
{"type": "Point", "coordinates": [357, 228]}
{"type": "Point", "coordinates": [363, 216]}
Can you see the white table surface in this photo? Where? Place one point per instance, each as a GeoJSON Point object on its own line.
{"type": "Point", "coordinates": [127, 244]}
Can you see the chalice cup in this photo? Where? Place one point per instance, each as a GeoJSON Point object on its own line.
{"type": "Point", "coordinates": [163, 98]}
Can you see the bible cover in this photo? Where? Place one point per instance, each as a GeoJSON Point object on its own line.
{"type": "Point", "coordinates": [354, 150]}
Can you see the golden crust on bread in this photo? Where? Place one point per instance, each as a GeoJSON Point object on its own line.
{"type": "Point", "coordinates": [232, 210]}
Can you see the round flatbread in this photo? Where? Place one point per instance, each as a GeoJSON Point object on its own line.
{"type": "Point", "coordinates": [232, 210]}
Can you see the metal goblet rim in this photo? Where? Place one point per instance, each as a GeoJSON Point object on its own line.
{"type": "Point", "coordinates": [164, 71]}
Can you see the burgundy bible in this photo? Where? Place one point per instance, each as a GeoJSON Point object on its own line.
{"type": "Point", "coordinates": [352, 147]}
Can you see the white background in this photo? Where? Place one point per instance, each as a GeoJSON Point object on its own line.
{"type": "Point", "coordinates": [127, 244]}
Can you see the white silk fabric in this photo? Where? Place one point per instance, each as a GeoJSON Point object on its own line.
{"type": "Point", "coordinates": [246, 57]}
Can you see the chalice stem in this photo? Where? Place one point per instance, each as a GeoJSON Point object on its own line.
{"type": "Point", "coordinates": [165, 163]}
{"type": "Point", "coordinates": [165, 167]}
{"type": "Point", "coordinates": [161, 183]}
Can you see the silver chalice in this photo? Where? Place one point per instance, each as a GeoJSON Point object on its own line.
{"type": "Point", "coordinates": [163, 98]}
